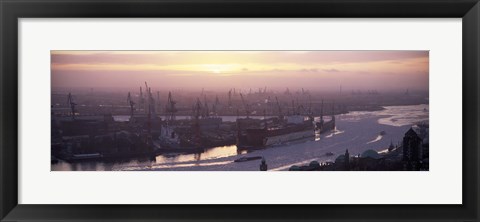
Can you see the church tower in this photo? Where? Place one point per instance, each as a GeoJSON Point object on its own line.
{"type": "Point", "coordinates": [347, 160]}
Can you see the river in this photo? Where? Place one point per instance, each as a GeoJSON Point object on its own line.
{"type": "Point", "coordinates": [355, 131]}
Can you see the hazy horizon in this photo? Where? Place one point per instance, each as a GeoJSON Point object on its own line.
{"type": "Point", "coordinates": [218, 70]}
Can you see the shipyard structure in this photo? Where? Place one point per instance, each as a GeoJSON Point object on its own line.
{"type": "Point", "coordinates": [150, 128]}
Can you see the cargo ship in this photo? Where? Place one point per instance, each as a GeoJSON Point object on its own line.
{"type": "Point", "coordinates": [295, 128]}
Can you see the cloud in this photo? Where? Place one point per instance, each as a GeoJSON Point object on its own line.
{"type": "Point", "coordinates": [216, 57]}
{"type": "Point", "coordinates": [308, 70]}
{"type": "Point", "coordinates": [330, 70]}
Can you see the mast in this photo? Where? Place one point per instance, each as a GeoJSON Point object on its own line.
{"type": "Point", "coordinates": [333, 110]}
{"type": "Point", "coordinates": [333, 116]}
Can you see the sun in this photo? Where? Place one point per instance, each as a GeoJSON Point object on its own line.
{"type": "Point", "coordinates": [218, 68]}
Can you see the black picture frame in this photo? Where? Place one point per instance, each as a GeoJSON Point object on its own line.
{"type": "Point", "coordinates": [12, 10]}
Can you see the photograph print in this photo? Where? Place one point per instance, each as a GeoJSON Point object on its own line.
{"type": "Point", "coordinates": [239, 110]}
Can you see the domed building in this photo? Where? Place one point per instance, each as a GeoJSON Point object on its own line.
{"type": "Point", "coordinates": [370, 160]}
{"type": "Point", "coordinates": [294, 168]}
{"type": "Point", "coordinates": [343, 161]}
{"type": "Point", "coordinates": [314, 164]}
{"type": "Point", "coordinates": [371, 154]}
{"type": "Point", "coordinates": [340, 159]}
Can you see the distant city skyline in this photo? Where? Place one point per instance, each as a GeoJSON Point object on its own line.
{"type": "Point", "coordinates": [314, 70]}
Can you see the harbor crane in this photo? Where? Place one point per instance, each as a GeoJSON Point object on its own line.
{"type": "Point", "coordinates": [158, 102]}
{"type": "Point", "coordinates": [150, 108]}
{"type": "Point", "coordinates": [72, 104]}
{"type": "Point", "coordinates": [197, 112]}
{"type": "Point", "coordinates": [247, 108]}
{"type": "Point", "coordinates": [148, 97]}
{"type": "Point", "coordinates": [131, 103]}
{"type": "Point", "coordinates": [214, 110]}
{"type": "Point", "coordinates": [306, 112]}
{"type": "Point", "coordinates": [170, 108]}
{"type": "Point", "coordinates": [207, 112]}
{"type": "Point", "coordinates": [280, 115]}
{"type": "Point", "coordinates": [141, 102]}
{"type": "Point", "coordinates": [151, 102]}
{"type": "Point", "coordinates": [230, 98]}
{"type": "Point", "coordinates": [301, 107]}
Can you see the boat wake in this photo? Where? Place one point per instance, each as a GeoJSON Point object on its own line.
{"type": "Point", "coordinates": [335, 132]}
{"type": "Point", "coordinates": [379, 137]}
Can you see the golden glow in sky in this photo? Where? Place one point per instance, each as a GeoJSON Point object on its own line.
{"type": "Point", "coordinates": [226, 69]}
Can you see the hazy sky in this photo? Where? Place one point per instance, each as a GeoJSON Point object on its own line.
{"type": "Point", "coordinates": [314, 70]}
